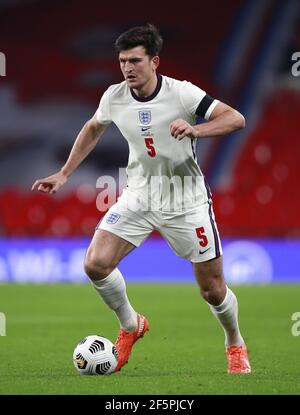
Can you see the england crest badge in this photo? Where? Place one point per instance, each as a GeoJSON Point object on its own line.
{"type": "Point", "coordinates": [145, 117]}
{"type": "Point", "coordinates": [113, 218]}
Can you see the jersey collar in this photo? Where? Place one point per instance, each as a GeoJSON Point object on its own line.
{"type": "Point", "coordinates": [154, 93]}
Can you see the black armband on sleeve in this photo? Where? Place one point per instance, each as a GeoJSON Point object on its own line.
{"type": "Point", "coordinates": [204, 105]}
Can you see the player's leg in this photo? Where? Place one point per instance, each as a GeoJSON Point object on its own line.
{"type": "Point", "coordinates": [194, 235]}
{"type": "Point", "coordinates": [103, 255]}
{"type": "Point", "coordinates": [119, 232]}
{"type": "Point", "coordinates": [121, 229]}
{"type": "Point", "coordinates": [220, 298]}
{"type": "Point", "coordinates": [105, 252]}
{"type": "Point", "coordinates": [223, 304]}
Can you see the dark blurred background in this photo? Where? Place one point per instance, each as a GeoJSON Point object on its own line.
{"type": "Point", "coordinates": [60, 59]}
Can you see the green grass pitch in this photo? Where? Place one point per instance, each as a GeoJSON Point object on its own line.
{"type": "Point", "coordinates": [183, 353]}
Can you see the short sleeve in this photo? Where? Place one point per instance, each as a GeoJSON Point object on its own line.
{"type": "Point", "coordinates": [103, 111]}
{"type": "Point", "coordinates": [196, 101]}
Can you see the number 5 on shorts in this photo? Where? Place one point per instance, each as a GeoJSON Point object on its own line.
{"type": "Point", "coordinates": [201, 236]}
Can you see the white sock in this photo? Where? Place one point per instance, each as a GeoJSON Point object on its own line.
{"type": "Point", "coordinates": [112, 289]}
{"type": "Point", "coordinates": [227, 315]}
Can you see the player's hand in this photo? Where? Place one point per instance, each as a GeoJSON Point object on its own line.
{"type": "Point", "coordinates": [50, 184]}
{"type": "Point", "coordinates": [180, 129]}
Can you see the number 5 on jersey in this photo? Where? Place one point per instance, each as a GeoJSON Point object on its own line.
{"type": "Point", "coordinates": [149, 145]}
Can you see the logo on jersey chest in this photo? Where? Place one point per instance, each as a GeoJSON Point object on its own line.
{"type": "Point", "coordinates": [145, 117]}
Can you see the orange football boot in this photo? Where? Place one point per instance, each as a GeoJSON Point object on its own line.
{"type": "Point", "coordinates": [238, 361]}
{"type": "Point", "coordinates": [126, 340]}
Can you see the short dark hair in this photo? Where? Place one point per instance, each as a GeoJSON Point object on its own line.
{"type": "Point", "coordinates": [147, 36]}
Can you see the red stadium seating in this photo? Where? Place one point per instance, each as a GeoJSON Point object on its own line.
{"type": "Point", "coordinates": [264, 200]}
{"type": "Point", "coordinates": [51, 66]}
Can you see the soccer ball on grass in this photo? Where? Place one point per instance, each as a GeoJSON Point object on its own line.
{"type": "Point", "coordinates": [95, 355]}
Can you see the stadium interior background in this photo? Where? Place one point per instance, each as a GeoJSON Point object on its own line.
{"type": "Point", "coordinates": [60, 59]}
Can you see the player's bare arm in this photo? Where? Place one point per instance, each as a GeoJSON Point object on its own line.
{"type": "Point", "coordinates": [223, 120]}
{"type": "Point", "coordinates": [83, 145]}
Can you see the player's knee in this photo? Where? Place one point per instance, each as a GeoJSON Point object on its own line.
{"type": "Point", "coordinates": [213, 290]}
{"type": "Point", "coordinates": [213, 297]}
{"type": "Point", "coordinates": [98, 267]}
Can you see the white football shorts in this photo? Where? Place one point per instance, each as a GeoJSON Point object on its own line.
{"type": "Point", "coordinates": [191, 233]}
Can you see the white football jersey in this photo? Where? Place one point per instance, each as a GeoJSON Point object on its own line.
{"type": "Point", "coordinates": [161, 170]}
